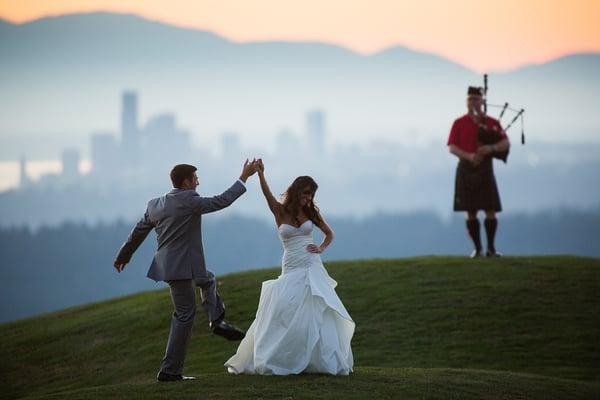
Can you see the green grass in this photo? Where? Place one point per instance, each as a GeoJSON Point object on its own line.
{"type": "Point", "coordinates": [427, 327]}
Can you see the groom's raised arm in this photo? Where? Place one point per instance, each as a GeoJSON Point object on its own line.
{"type": "Point", "coordinates": [205, 205]}
{"type": "Point", "coordinates": [135, 239]}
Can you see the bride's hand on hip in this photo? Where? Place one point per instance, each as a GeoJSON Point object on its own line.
{"type": "Point", "coordinates": [313, 248]}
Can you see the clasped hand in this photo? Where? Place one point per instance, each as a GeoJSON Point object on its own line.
{"type": "Point", "coordinates": [249, 169]}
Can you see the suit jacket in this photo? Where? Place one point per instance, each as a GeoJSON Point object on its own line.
{"type": "Point", "coordinates": [177, 219]}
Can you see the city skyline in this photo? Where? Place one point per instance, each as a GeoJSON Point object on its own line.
{"type": "Point", "coordinates": [515, 33]}
{"type": "Point", "coordinates": [132, 163]}
{"type": "Point", "coordinates": [152, 144]}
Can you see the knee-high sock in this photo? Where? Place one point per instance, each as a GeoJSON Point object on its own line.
{"type": "Point", "coordinates": [473, 228]}
{"type": "Point", "coordinates": [491, 224]}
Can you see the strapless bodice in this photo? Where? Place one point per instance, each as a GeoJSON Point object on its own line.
{"type": "Point", "coordinates": [295, 239]}
{"type": "Point", "coordinates": [287, 231]}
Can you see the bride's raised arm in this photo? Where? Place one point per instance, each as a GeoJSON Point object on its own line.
{"type": "Point", "coordinates": [275, 206]}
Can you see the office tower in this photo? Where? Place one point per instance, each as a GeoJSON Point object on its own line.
{"type": "Point", "coordinates": [23, 178]}
{"type": "Point", "coordinates": [70, 164]}
{"type": "Point", "coordinates": [129, 125]}
{"type": "Point", "coordinates": [104, 151]}
{"type": "Point", "coordinates": [231, 146]}
{"type": "Point", "coordinates": [315, 129]}
{"type": "Point", "coordinates": [166, 144]}
{"type": "Point", "coordinates": [287, 143]}
{"type": "Point", "coordinates": [160, 125]}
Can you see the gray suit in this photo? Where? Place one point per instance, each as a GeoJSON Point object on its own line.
{"type": "Point", "coordinates": [179, 260]}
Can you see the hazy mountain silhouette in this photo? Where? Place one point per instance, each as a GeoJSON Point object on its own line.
{"type": "Point", "coordinates": [68, 72]}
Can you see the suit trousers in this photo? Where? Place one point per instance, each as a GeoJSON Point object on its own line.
{"type": "Point", "coordinates": [183, 296]}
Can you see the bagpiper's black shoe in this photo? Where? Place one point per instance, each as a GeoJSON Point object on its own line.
{"type": "Point", "coordinates": [225, 329]}
{"type": "Point", "coordinates": [164, 377]}
{"type": "Point", "coordinates": [475, 254]}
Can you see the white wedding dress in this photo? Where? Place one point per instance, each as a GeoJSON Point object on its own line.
{"type": "Point", "coordinates": [301, 325]}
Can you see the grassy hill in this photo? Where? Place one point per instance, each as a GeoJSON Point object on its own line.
{"type": "Point", "coordinates": [427, 327]}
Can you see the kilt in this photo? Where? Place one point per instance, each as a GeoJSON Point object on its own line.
{"type": "Point", "coordinates": [475, 187]}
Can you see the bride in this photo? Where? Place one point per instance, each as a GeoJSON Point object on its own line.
{"type": "Point", "coordinates": [301, 325]}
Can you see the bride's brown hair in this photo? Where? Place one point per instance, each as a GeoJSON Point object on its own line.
{"type": "Point", "coordinates": [291, 199]}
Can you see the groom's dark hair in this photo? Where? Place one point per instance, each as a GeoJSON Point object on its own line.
{"type": "Point", "coordinates": [180, 173]}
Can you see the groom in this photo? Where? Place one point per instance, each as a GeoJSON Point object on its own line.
{"type": "Point", "coordinates": [179, 260]}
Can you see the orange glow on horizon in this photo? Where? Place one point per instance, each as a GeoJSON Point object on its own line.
{"type": "Point", "coordinates": [484, 36]}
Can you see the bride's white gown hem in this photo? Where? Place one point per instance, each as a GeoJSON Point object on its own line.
{"type": "Point", "coordinates": [301, 325]}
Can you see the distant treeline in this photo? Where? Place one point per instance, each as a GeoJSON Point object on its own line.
{"type": "Point", "coordinates": [53, 268]}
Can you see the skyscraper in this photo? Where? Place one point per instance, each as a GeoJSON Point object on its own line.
{"type": "Point", "coordinates": [129, 126]}
{"type": "Point", "coordinates": [165, 143]}
{"type": "Point", "coordinates": [287, 144]}
{"type": "Point", "coordinates": [231, 146]}
{"type": "Point", "coordinates": [70, 164]}
{"type": "Point", "coordinates": [104, 151]}
{"type": "Point", "coordinates": [23, 178]}
{"type": "Point", "coordinates": [315, 129]}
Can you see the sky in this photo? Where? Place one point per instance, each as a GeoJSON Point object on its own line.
{"type": "Point", "coordinates": [483, 35]}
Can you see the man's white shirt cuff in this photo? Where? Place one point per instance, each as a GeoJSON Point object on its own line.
{"type": "Point", "coordinates": [242, 182]}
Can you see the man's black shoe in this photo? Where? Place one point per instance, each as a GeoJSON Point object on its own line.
{"type": "Point", "coordinates": [164, 377]}
{"type": "Point", "coordinates": [225, 329]}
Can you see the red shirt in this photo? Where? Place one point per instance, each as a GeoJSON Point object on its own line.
{"type": "Point", "coordinates": [464, 132]}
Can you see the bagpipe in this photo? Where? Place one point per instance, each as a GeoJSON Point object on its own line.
{"type": "Point", "coordinates": [486, 136]}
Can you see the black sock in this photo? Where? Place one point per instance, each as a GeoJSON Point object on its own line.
{"type": "Point", "coordinates": [473, 228]}
{"type": "Point", "coordinates": [220, 318]}
{"type": "Point", "coordinates": [490, 229]}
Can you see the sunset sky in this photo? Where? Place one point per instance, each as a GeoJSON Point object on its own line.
{"type": "Point", "coordinates": [483, 35]}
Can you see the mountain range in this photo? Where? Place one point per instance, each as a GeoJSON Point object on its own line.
{"type": "Point", "coordinates": [64, 75]}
